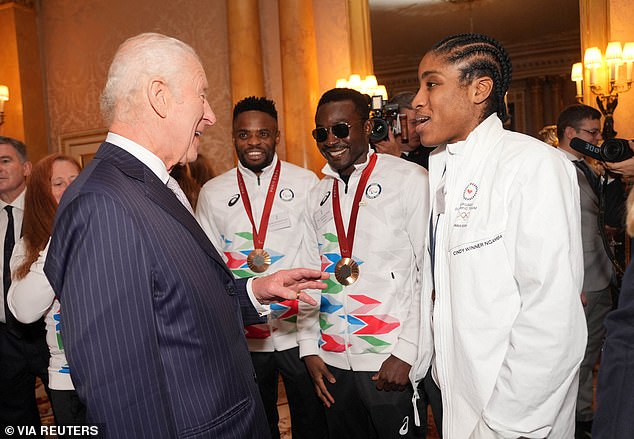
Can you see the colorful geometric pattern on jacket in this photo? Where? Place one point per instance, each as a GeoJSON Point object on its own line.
{"type": "Point", "coordinates": [360, 323]}
{"type": "Point", "coordinates": [237, 262]}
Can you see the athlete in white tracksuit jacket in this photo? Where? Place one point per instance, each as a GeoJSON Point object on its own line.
{"type": "Point", "coordinates": [508, 325]}
{"type": "Point", "coordinates": [360, 343]}
{"type": "Point", "coordinates": [258, 205]}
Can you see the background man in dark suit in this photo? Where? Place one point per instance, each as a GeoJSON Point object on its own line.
{"type": "Point", "coordinates": [23, 348]}
{"type": "Point", "coordinates": [152, 323]}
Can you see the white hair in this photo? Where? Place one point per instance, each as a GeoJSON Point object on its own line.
{"type": "Point", "coordinates": [148, 55]}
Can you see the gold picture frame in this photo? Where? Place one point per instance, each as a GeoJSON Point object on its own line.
{"type": "Point", "coordinates": [83, 144]}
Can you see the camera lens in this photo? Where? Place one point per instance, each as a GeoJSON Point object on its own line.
{"type": "Point", "coordinates": [379, 130]}
{"type": "Point", "coordinates": [615, 150]}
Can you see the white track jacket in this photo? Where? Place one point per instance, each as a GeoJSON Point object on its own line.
{"type": "Point", "coordinates": [508, 324]}
{"type": "Point", "coordinates": [357, 327]}
{"type": "Point", "coordinates": [222, 216]}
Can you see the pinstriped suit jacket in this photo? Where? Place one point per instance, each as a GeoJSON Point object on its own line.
{"type": "Point", "coordinates": [151, 315]}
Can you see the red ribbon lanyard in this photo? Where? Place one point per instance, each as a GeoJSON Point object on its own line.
{"type": "Point", "coordinates": [259, 235]}
{"type": "Point", "coordinates": [346, 241]}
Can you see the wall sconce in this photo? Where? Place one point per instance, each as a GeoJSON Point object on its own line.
{"type": "Point", "coordinates": [4, 96]}
{"type": "Point", "coordinates": [368, 85]}
{"type": "Point", "coordinates": [605, 70]}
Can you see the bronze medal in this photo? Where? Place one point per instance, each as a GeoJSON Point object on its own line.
{"type": "Point", "coordinates": [346, 271]}
{"type": "Point", "coordinates": [258, 260]}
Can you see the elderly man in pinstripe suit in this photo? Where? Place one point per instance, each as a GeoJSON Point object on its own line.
{"type": "Point", "coordinates": [152, 317]}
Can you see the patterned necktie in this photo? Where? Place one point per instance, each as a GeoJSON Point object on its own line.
{"type": "Point", "coordinates": [175, 187]}
{"type": "Point", "coordinates": [9, 242]}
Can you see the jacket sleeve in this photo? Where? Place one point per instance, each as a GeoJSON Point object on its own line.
{"type": "Point", "coordinates": [416, 210]}
{"type": "Point", "coordinates": [308, 316]}
{"type": "Point", "coordinates": [31, 297]}
{"type": "Point", "coordinates": [539, 373]}
{"type": "Point", "coordinates": [250, 315]}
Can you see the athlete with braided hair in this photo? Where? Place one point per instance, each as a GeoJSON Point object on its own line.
{"type": "Point", "coordinates": [502, 283]}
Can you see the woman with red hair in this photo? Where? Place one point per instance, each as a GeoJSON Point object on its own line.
{"type": "Point", "coordinates": [31, 296]}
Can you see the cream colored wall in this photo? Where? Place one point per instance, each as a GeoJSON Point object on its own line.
{"type": "Point", "coordinates": [622, 29]}
{"type": "Point", "coordinates": [10, 74]}
{"type": "Point", "coordinates": [20, 70]}
{"type": "Point", "coordinates": [80, 38]}
{"type": "Point", "coordinates": [31, 84]}
{"type": "Point", "coordinates": [602, 21]}
{"type": "Point", "coordinates": [332, 32]}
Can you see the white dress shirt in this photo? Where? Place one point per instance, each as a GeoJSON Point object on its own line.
{"type": "Point", "coordinates": [18, 216]}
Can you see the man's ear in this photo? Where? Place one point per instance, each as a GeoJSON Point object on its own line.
{"type": "Point", "coordinates": [157, 96]}
{"type": "Point", "coordinates": [570, 133]}
{"type": "Point", "coordinates": [27, 167]}
{"type": "Point", "coordinates": [367, 127]}
{"type": "Point", "coordinates": [482, 88]}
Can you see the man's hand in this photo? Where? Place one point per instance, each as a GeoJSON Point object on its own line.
{"type": "Point", "coordinates": [288, 285]}
{"type": "Point", "coordinates": [626, 167]}
{"type": "Point", "coordinates": [393, 375]}
{"type": "Point", "coordinates": [319, 372]}
{"type": "Point", "coordinates": [389, 146]}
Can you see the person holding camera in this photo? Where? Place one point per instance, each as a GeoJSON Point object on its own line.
{"type": "Point", "coordinates": [407, 147]}
{"type": "Point", "coordinates": [584, 122]}
{"type": "Point", "coordinates": [625, 167]}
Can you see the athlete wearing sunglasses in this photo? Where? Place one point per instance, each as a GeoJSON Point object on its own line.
{"type": "Point", "coordinates": [342, 135]}
{"type": "Point", "coordinates": [364, 223]}
{"type": "Point", "coordinates": [340, 130]}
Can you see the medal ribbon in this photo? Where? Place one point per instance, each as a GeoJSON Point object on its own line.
{"type": "Point", "coordinates": [259, 235]}
{"type": "Point", "coordinates": [346, 241]}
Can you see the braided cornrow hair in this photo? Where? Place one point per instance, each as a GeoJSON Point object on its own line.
{"type": "Point", "coordinates": [482, 56]}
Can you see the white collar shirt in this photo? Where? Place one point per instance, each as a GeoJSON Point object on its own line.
{"type": "Point", "coordinates": [143, 154]}
{"type": "Point", "coordinates": [18, 216]}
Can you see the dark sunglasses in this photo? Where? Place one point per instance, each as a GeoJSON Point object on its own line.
{"type": "Point", "coordinates": [340, 130]}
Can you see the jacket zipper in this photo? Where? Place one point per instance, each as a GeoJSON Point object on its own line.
{"type": "Point", "coordinates": [440, 304]}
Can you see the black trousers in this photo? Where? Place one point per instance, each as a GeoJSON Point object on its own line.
{"type": "Point", "coordinates": [430, 396]}
{"type": "Point", "coordinates": [361, 411]}
{"type": "Point", "coordinates": [67, 408]}
{"type": "Point", "coordinates": [21, 361]}
{"type": "Point", "coordinates": [307, 412]}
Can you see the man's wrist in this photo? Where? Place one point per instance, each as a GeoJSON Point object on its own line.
{"type": "Point", "coordinates": [262, 310]}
